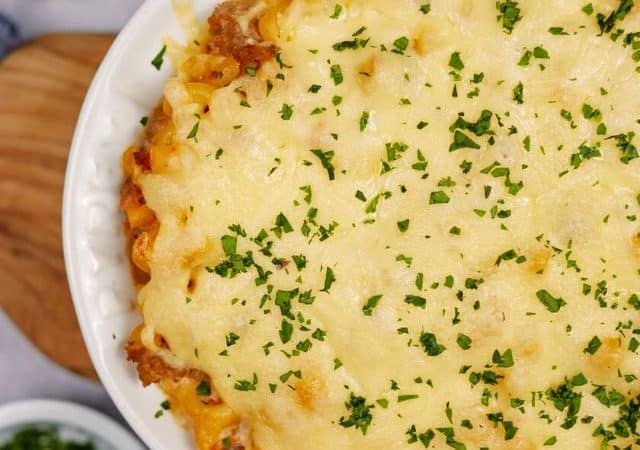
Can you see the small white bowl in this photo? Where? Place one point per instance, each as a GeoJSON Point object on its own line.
{"type": "Point", "coordinates": [73, 422]}
{"type": "Point", "coordinates": [125, 88]}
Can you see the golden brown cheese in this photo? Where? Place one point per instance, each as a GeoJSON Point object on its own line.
{"type": "Point", "coordinates": [416, 226]}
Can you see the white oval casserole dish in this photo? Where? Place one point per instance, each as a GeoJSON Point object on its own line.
{"type": "Point", "coordinates": [125, 88]}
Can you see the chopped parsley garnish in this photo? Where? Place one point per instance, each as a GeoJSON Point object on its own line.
{"type": "Point", "coordinates": [540, 53]}
{"type": "Point", "coordinates": [504, 360]}
{"type": "Point", "coordinates": [509, 14]}
{"type": "Point", "coordinates": [549, 301]}
{"type": "Point", "coordinates": [593, 346]}
{"type": "Point", "coordinates": [247, 385]}
{"type": "Point", "coordinates": [325, 158]}
{"type": "Point", "coordinates": [400, 45]}
{"type": "Point", "coordinates": [286, 330]}
{"type": "Point", "coordinates": [229, 244]}
{"type": "Point", "coordinates": [203, 389]}
{"type": "Point", "coordinates": [455, 61]}
{"type": "Point", "coordinates": [329, 279]}
{"type": "Point", "coordinates": [564, 398]}
{"type": "Point", "coordinates": [480, 127]}
{"type": "Point", "coordinates": [193, 134]}
{"type": "Point", "coordinates": [371, 304]}
{"type": "Point", "coordinates": [518, 93]}
{"type": "Point", "coordinates": [430, 344]}
{"type": "Point", "coordinates": [584, 153]}
{"type": "Point", "coordinates": [337, 9]}
{"type": "Point", "coordinates": [360, 413]}
{"type": "Point", "coordinates": [44, 438]}
{"type": "Point", "coordinates": [353, 44]}
{"type": "Point", "coordinates": [416, 300]}
{"type": "Point", "coordinates": [607, 23]}
{"type": "Point", "coordinates": [336, 74]}
{"type": "Point", "coordinates": [286, 112]}
{"type": "Point", "coordinates": [463, 341]}
{"type": "Point", "coordinates": [403, 225]}
{"type": "Point", "coordinates": [364, 120]}
{"type": "Point", "coordinates": [590, 113]}
{"type": "Point", "coordinates": [282, 225]}
{"type": "Point", "coordinates": [461, 140]}
{"type": "Point", "coordinates": [438, 197]}
{"type": "Point", "coordinates": [159, 58]}
{"type": "Point", "coordinates": [629, 151]}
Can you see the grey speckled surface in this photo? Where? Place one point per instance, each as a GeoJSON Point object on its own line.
{"type": "Point", "coordinates": [24, 19]}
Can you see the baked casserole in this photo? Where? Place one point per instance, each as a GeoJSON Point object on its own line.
{"type": "Point", "coordinates": [374, 224]}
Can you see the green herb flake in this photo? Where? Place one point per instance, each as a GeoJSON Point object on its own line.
{"type": "Point", "coordinates": [371, 304]}
{"type": "Point", "coordinates": [593, 346]}
{"type": "Point", "coordinates": [159, 58]}
{"type": "Point", "coordinates": [193, 134]}
{"type": "Point", "coordinates": [403, 225]}
{"type": "Point", "coordinates": [607, 23]}
{"type": "Point", "coordinates": [455, 61]}
{"type": "Point", "coordinates": [549, 301]}
{"type": "Point", "coordinates": [415, 300]}
{"type": "Point", "coordinates": [229, 244]}
{"type": "Point", "coordinates": [540, 53]}
{"type": "Point", "coordinates": [504, 360]}
{"type": "Point", "coordinates": [430, 344]}
{"type": "Point", "coordinates": [407, 397]}
{"type": "Point", "coordinates": [246, 385]}
{"type": "Point", "coordinates": [329, 279]}
{"type": "Point", "coordinates": [203, 389]}
{"type": "Point", "coordinates": [286, 112]}
{"type": "Point", "coordinates": [557, 31]}
{"type": "Point", "coordinates": [286, 330]}
{"type": "Point", "coordinates": [425, 9]}
{"type": "Point", "coordinates": [364, 120]}
{"type": "Point", "coordinates": [46, 438]}
{"type": "Point", "coordinates": [518, 93]}
{"type": "Point", "coordinates": [400, 45]}
{"type": "Point", "coordinates": [438, 197]}
{"type": "Point", "coordinates": [360, 413]}
{"type": "Point", "coordinates": [325, 158]}
{"type": "Point", "coordinates": [337, 9]}
{"type": "Point", "coordinates": [509, 14]}
{"type": "Point", "coordinates": [463, 341]}
{"type": "Point", "coordinates": [461, 140]}
{"type": "Point", "coordinates": [336, 74]}
{"type": "Point", "coordinates": [525, 59]}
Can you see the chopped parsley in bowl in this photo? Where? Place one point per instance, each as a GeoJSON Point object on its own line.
{"type": "Point", "coordinates": [35, 437]}
{"type": "Point", "coordinates": [55, 425]}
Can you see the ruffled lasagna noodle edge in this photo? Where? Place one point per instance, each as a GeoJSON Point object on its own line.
{"type": "Point", "coordinates": [235, 43]}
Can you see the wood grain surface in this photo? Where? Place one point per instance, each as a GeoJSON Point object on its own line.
{"type": "Point", "coordinates": [42, 86]}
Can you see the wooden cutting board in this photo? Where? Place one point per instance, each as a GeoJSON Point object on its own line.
{"type": "Point", "coordinates": [42, 86]}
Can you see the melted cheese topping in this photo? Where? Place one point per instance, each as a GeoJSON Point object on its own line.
{"type": "Point", "coordinates": [493, 316]}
